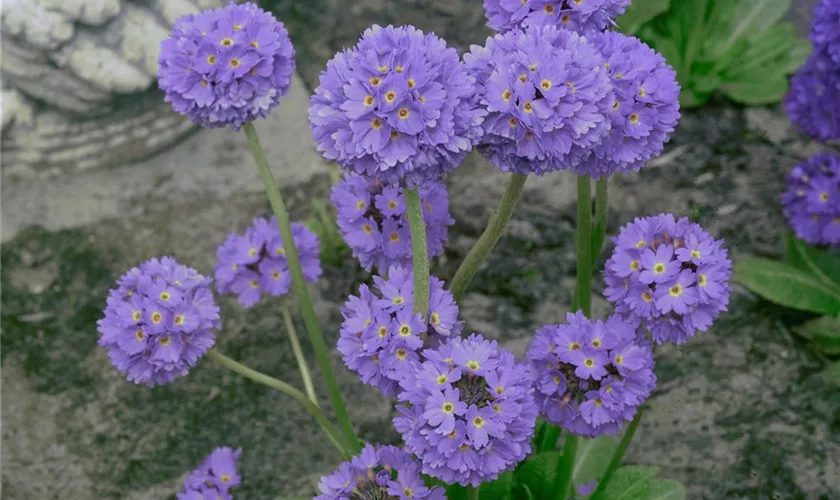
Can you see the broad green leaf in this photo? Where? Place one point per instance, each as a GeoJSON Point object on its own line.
{"type": "Point", "coordinates": [822, 264]}
{"type": "Point", "coordinates": [500, 489]}
{"type": "Point", "coordinates": [770, 47]}
{"type": "Point", "coordinates": [824, 333]}
{"type": "Point", "coordinates": [705, 84]}
{"type": "Point", "coordinates": [796, 57]}
{"type": "Point", "coordinates": [756, 92]}
{"type": "Point", "coordinates": [538, 471]}
{"type": "Point", "coordinates": [630, 483]}
{"type": "Point", "coordinates": [592, 459]}
{"type": "Point", "coordinates": [692, 99]}
{"type": "Point", "coordinates": [639, 12]}
{"type": "Point", "coordinates": [527, 492]}
{"type": "Point", "coordinates": [666, 489]}
{"type": "Point", "coordinates": [787, 285]}
{"type": "Point", "coordinates": [754, 16]}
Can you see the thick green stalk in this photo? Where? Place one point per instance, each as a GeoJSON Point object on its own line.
{"type": "Point", "coordinates": [565, 466]}
{"type": "Point", "coordinates": [419, 250]}
{"type": "Point", "coordinates": [615, 461]}
{"type": "Point", "coordinates": [472, 492]}
{"type": "Point", "coordinates": [489, 238]}
{"type": "Point", "coordinates": [299, 285]}
{"type": "Point", "coordinates": [301, 360]}
{"type": "Point", "coordinates": [317, 414]}
{"type": "Point", "coordinates": [601, 211]}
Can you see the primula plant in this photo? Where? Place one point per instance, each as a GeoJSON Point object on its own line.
{"type": "Point", "coordinates": [554, 90]}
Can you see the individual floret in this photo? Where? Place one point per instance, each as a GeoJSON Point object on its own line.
{"type": "Point", "coordinates": [812, 200]}
{"type": "Point", "coordinates": [214, 477]}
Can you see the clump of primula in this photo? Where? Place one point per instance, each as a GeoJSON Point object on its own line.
{"type": "Point", "coordinates": [813, 103]}
{"type": "Point", "coordinates": [548, 98]}
{"type": "Point", "coordinates": [383, 472]}
{"type": "Point", "coordinates": [825, 29]}
{"type": "Point", "coordinates": [397, 107]}
{"type": "Point", "coordinates": [214, 477]}
{"type": "Point", "coordinates": [591, 376]}
{"type": "Point", "coordinates": [159, 321]}
{"type": "Point", "coordinates": [255, 263]}
{"type": "Point", "coordinates": [812, 199]}
{"type": "Point", "coordinates": [669, 275]}
{"type": "Point", "coordinates": [645, 109]}
{"type": "Point", "coordinates": [470, 413]}
{"type": "Point", "coordinates": [582, 16]}
{"type": "Point", "coordinates": [381, 335]}
{"type": "Point", "coordinates": [226, 67]}
{"type": "Point", "coordinates": [372, 219]}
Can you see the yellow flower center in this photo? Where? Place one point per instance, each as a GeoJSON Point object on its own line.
{"type": "Point", "coordinates": [376, 124]}
{"type": "Point", "coordinates": [140, 335]}
{"type": "Point", "coordinates": [252, 252]}
{"type": "Point", "coordinates": [634, 118]}
{"type": "Point", "coordinates": [523, 78]}
{"type": "Point", "coordinates": [392, 204]}
{"type": "Point", "coordinates": [565, 19]}
{"type": "Point", "coordinates": [619, 360]}
{"type": "Point", "coordinates": [675, 290]}
{"type": "Point", "coordinates": [227, 42]}
{"type": "Point", "coordinates": [390, 96]}
{"type": "Point", "coordinates": [659, 268]}
{"type": "Point", "coordinates": [473, 365]}
{"type": "Point", "coordinates": [513, 122]}
{"type": "Point", "coordinates": [234, 62]}
{"type": "Point", "coordinates": [403, 113]}
{"type": "Point", "coordinates": [548, 9]}
{"type": "Point", "coordinates": [448, 407]}
{"type": "Point", "coordinates": [255, 284]}
{"type": "Point", "coordinates": [641, 244]}
{"type": "Point", "coordinates": [500, 390]}
{"type": "Point", "coordinates": [367, 228]}
{"type": "Point", "coordinates": [254, 44]}
{"type": "Point", "coordinates": [442, 379]}
{"type": "Point", "coordinates": [360, 204]}
{"type": "Point", "coordinates": [497, 408]}
{"type": "Point", "coordinates": [598, 402]}
{"type": "Point", "coordinates": [276, 275]}
{"type": "Point", "coordinates": [589, 362]}
{"type": "Point", "coordinates": [234, 266]}
{"type": "Point", "coordinates": [237, 27]}
{"type": "Point", "coordinates": [478, 422]}
{"type": "Point", "coordinates": [506, 95]}
{"type": "Point", "coordinates": [528, 107]}
{"type": "Point", "coordinates": [634, 265]}
{"type": "Point", "coordinates": [435, 318]}
{"type": "Point", "coordinates": [702, 280]}
{"type": "Point", "coordinates": [642, 92]}
{"type": "Point", "coordinates": [405, 330]}
{"type": "Point", "coordinates": [225, 478]}
{"type": "Point", "coordinates": [369, 100]}
{"type": "Point", "coordinates": [596, 343]}
{"type": "Point", "coordinates": [824, 196]}
{"type": "Point", "coordinates": [615, 106]}
{"type": "Point", "coordinates": [556, 379]}
{"type": "Point", "coordinates": [165, 340]}
{"type": "Point", "coordinates": [398, 300]}
{"type": "Point", "coordinates": [572, 87]}
{"type": "Point", "coordinates": [383, 69]}
{"type": "Point", "coordinates": [448, 361]}
{"type": "Point", "coordinates": [165, 296]}
{"type": "Point", "coordinates": [408, 492]}
{"type": "Point", "coordinates": [618, 76]}
{"type": "Point", "coordinates": [135, 315]}
{"type": "Point", "coordinates": [179, 319]}
{"type": "Point", "coordinates": [411, 83]}
{"type": "Point", "coordinates": [533, 66]}
{"type": "Point", "coordinates": [375, 81]}
{"type": "Point", "coordinates": [401, 354]}
{"type": "Point", "coordinates": [156, 317]}
{"type": "Point", "coordinates": [394, 134]}
{"type": "Point", "coordinates": [574, 346]}
{"type": "Point", "coordinates": [695, 254]}
{"type": "Point", "coordinates": [211, 59]}
{"type": "Point", "coordinates": [399, 69]}
{"type": "Point", "coordinates": [545, 84]}
{"type": "Point", "coordinates": [394, 237]}
{"type": "Point", "coordinates": [382, 332]}
{"type": "Point", "coordinates": [647, 297]}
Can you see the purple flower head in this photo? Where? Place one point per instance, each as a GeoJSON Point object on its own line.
{"type": "Point", "coordinates": [590, 376]}
{"type": "Point", "coordinates": [813, 102]}
{"type": "Point", "coordinates": [214, 477]}
{"type": "Point", "coordinates": [158, 321]}
{"type": "Point", "coordinates": [825, 29]}
{"type": "Point", "coordinates": [812, 200]}
{"type": "Point", "coordinates": [374, 224]}
{"type": "Point", "coordinates": [381, 337]}
{"type": "Point", "coordinates": [582, 16]}
{"type": "Point", "coordinates": [254, 263]}
{"type": "Point", "coordinates": [398, 107]}
{"type": "Point", "coordinates": [470, 413]}
{"type": "Point", "coordinates": [385, 472]}
{"type": "Point", "coordinates": [547, 95]}
{"type": "Point", "coordinates": [226, 67]}
{"type": "Point", "coordinates": [645, 109]}
{"type": "Point", "coordinates": [669, 275]}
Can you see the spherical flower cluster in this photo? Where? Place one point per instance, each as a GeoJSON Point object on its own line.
{"type": "Point", "coordinates": [470, 413]}
{"type": "Point", "coordinates": [812, 200]}
{"type": "Point", "coordinates": [591, 376]}
{"type": "Point", "coordinates": [381, 335]}
{"type": "Point", "coordinates": [548, 98]}
{"type": "Point", "coordinates": [813, 102]}
{"type": "Point", "coordinates": [214, 477]}
{"type": "Point", "coordinates": [644, 112]}
{"type": "Point", "coordinates": [226, 67]}
{"type": "Point", "coordinates": [158, 321]}
{"type": "Point", "coordinates": [255, 263]}
{"type": "Point", "coordinates": [582, 16]}
{"type": "Point", "coordinates": [384, 472]}
{"type": "Point", "coordinates": [372, 219]}
{"type": "Point", "coordinates": [825, 29]}
{"type": "Point", "coordinates": [670, 275]}
{"type": "Point", "coordinates": [397, 107]}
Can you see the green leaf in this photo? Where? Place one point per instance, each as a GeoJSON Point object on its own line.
{"type": "Point", "coordinates": [832, 373]}
{"type": "Point", "coordinates": [823, 332]}
{"type": "Point", "coordinates": [754, 16]}
{"type": "Point", "coordinates": [630, 483]}
{"type": "Point", "coordinates": [639, 12]}
{"type": "Point", "coordinates": [756, 92]}
{"type": "Point", "coordinates": [692, 99]}
{"type": "Point", "coordinates": [787, 285]}
{"type": "Point", "coordinates": [824, 265]}
{"type": "Point", "coordinates": [500, 489]}
{"type": "Point", "coordinates": [705, 84]}
{"type": "Point", "coordinates": [538, 471]}
{"type": "Point", "coordinates": [527, 492]}
{"type": "Point", "coordinates": [592, 459]}
{"type": "Point", "coordinates": [666, 489]}
{"type": "Point", "coordinates": [796, 57]}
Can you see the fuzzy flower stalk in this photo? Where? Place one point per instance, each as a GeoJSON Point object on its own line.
{"type": "Point", "coordinates": [214, 477]}
{"type": "Point", "coordinates": [159, 321]}
{"type": "Point", "coordinates": [470, 411]}
{"type": "Point", "coordinates": [397, 107]}
{"type": "Point", "coordinates": [381, 336]}
{"type": "Point", "coordinates": [590, 376]}
{"type": "Point", "coordinates": [254, 263]}
{"type": "Point", "coordinates": [373, 221]}
{"type": "Point", "coordinates": [226, 67]}
{"type": "Point", "coordinates": [669, 275]}
{"type": "Point", "coordinates": [811, 201]}
{"type": "Point", "coordinates": [384, 472]}
{"type": "Point", "coordinates": [582, 16]}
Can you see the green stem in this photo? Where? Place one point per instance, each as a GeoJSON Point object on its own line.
{"type": "Point", "coordinates": [548, 439]}
{"type": "Point", "coordinates": [419, 250]}
{"type": "Point", "coordinates": [489, 238]}
{"type": "Point", "coordinates": [472, 492]}
{"type": "Point", "coordinates": [583, 290]}
{"type": "Point", "coordinates": [301, 361]}
{"type": "Point", "coordinates": [298, 283]}
{"type": "Point", "coordinates": [565, 466]}
{"type": "Point", "coordinates": [618, 455]}
{"type": "Point", "coordinates": [329, 428]}
{"type": "Point", "coordinates": [601, 211]}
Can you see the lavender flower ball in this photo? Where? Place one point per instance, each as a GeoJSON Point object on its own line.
{"type": "Point", "coordinates": [825, 29]}
{"type": "Point", "coordinates": [214, 477]}
{"type": "Point", "coordinates": [372, 219]}
{"type": "Point", "coordinates": [590, 376]}
{"type": "Point", "coordinates": [669, 275]}
{"type": "Point", "coordinates": [470, 413]}
{"type": "Point", "coordinates": [582, 16]}
{"type": "Point", "coordinates": [397, 107]}
{"type": "Point", "coordinates": [255, 263]}
{"type": "Point", "coordinates": [813, 102]}
{"type": "Point", "coordinates": [383, 472]}
{"type": "Point", "coordinates": [226, 67]}
{"type": "Point", "coordinates": [381, 336]}
{"type": "Point", "coordinates": [812, 200]}
{"type": "Point", "coordinates": [644, 112]}
{"type": "Point", "coordinates": [158, 321]}
{"type": "Point", "coordinates": [547, 96]}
